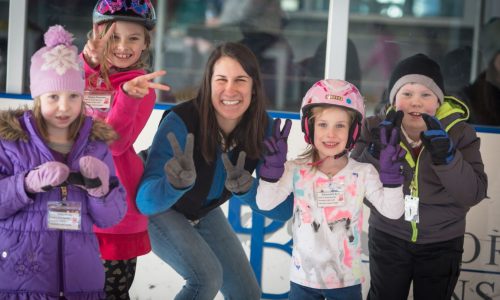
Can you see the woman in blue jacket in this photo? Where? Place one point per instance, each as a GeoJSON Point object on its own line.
{"type": "Point", "coordinates": [204, 153]}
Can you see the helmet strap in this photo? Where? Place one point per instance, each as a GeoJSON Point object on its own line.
{"type": "Point", "coordinates": [354, 133]}
{"type": "Point", "coordinates": [336, 156]}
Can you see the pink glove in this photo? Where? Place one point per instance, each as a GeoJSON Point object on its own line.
{"type": "Point", "coordinates": [46, 176]}
{"type": "Point", "coordinates": [92, 168]}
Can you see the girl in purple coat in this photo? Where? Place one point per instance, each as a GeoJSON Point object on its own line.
{"type": "Point", "coordinates": [57, 181]}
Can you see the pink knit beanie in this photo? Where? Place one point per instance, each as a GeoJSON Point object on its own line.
{"type": "Point", "coordinates": [56, 67]}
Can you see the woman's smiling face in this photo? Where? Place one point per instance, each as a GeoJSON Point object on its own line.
{"type": "Point", "coordinates": [231, 92]}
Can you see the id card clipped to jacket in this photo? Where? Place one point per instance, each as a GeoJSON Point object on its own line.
{"type": "Point", "coordinates": [64, 215]}
{"type": "Point", "coordinates": [411, 208]}
{"type": "Point", "coordinates": [98, 101]}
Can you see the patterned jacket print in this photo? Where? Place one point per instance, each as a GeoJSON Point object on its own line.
{"type": "Point", "coordinates": [326, 235]}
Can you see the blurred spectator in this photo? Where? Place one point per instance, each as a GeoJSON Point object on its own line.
{"type": "Point", "coordinates": [261, 24]}
{"type": "Point", "coordinates": [312, 68]}
{"type": "Point", "coordinates": [456, 68]}
{"type": "Point", "coordinates": [385, 53]}
{"type": "Point", "coordinates": [484, 93]}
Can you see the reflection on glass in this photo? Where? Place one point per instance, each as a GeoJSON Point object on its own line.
{"type": "Point", "coordinates": [4, 26]}
{"type": "Point", "coordinates": [75, 16]}
{"type": "Point", "coordinates": [401, 8]}
{"type": "Point", "coordinates": [483, 94]}
{"type": "Point", "coordinates": [285, 36]}
{"type": "Point", "coordinates": [382, 41]}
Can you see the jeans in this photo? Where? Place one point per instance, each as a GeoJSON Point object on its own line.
{"type": "Point", "coordinates": [300, 292]}
{"type": "Point", "coordinates": [208, 255]}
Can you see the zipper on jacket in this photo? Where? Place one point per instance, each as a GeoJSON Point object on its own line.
{"type": "Point", "coordinates": [64, 196]}
{"type": "Point", "coordinates": [413, 186]}
{"type": "Point", "coordinates": [414, 182]}
{"type": "Point", "coordinates": [414, 193]}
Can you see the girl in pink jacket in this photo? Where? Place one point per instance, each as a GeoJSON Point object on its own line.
{"type": "Point", "coordinates": [119, 91]}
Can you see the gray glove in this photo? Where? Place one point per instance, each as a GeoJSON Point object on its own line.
{"type": "Point", "coordinates": [238, 180]}
{"type": "Point", "coordinates": [180, 169]}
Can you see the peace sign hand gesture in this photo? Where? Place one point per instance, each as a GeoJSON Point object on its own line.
{"type": "Point", "coordinates": [180, 169]}
{"type": "Point", "coordinates": [94, 48]}
{"type": "Point", "coordinates": [140, 85]}
{"type": "Point", "coordinates": [391, 156]}
{"type": "Point", "coordinates": [277, 148]}
{"type": "Point", "coordinates": [238, 180]}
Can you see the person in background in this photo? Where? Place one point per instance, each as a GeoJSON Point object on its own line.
{"type": "Point", "coordinates": [57, 180]}
{"type": "Point", "coordinates": [261, 22]}
{"type": "Point", "coordinates": [120, 92]}
{"type": "Point", "coordinates": [328, 189]}
{"type": "Point", "coordinates": [259, 25]}
{"type": "Point", "coordinates": [444, 178]}
{"type": "Point", "coordinates": [484, 93]}
{"type": "Point", "coordinates": [202, 154]}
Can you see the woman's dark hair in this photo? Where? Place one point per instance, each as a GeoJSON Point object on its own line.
{"type": "Point", "coordinates": [248, 135]}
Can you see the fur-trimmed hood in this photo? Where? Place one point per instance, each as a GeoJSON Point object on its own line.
{"type": "Point", "coordinates": [11, 129]}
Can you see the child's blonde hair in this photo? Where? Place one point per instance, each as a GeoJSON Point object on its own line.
{"type": "Point", "coordinates": [142, 63]}
{"type": "Point", "coordinates": [311, 152]}
{"type": "Point", "coordinates": [41, 124]}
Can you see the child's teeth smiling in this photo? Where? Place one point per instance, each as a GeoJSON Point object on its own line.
{"type": "Point", "coordinates": [122, 56]}
{"type": "Point", "coordinates": [330, 144]}
{"type": "Point", "coordinates": [415, 114]}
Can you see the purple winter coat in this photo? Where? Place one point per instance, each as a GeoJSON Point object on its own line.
{"type": "Point", "coordinates": [37, 262]}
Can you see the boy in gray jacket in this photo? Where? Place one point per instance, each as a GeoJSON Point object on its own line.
{"type": "Point", "coordinates": [444, 178]}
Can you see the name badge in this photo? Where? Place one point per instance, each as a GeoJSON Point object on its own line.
{"type": "Point", "coordinates": [411, 208]}
{"type": "Point", "coordinates": [329, 193]}
{"type": "Point", "coordinates": [65, 215]}
{"type": "Point", "coordinates": [100, 100]}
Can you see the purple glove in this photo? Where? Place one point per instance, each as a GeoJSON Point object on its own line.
{"type": "Point", "coordinates": [45, 177]}
{"type": "Point", "coordinates": [96, 176]}
{"type": "Point", "coordinates": [277, 148]}
{"type": "Point", "coordinates": [392, 119]}
{"type": "Point", "coordinates": [391, 157]}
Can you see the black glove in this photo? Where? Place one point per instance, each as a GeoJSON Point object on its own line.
{"type": "Point", "coordinates": [437, 141]}
{"type": "Point", "coordinates": [392, 120]}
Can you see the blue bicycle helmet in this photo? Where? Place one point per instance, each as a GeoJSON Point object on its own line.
{"type": "Point", "coordinates": [139, 11]}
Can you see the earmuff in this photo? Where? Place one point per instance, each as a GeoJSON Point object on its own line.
{"type": "Point", "coordinates": [307, 129]}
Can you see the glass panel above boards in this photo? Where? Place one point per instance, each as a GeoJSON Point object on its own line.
{"type": "Point", "coordinates": [4, 27]}
{"type": "Point", "coordinates": [462, 36]}
{"type": "Point", "coordinates": [288, 38]}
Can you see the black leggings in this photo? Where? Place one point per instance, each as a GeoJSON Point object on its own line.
{"type": "Point", "coordinates": [119, 277]}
